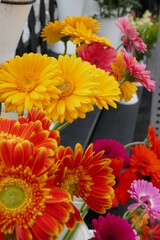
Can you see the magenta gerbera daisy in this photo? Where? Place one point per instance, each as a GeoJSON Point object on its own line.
{"type": "Point", "coordinates": [147, 196]}
{"type": "Point", "coordinates": [112, 227]}
{"type": "Point", "coordinates": [113, 149]}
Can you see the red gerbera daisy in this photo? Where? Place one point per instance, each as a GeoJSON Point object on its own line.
{"type": "Point", "coordinates": [28, 204]}
{"type": "Point", "coordinates": [85, 175]}
{"type": "Point", "coordinates": [123, 181]}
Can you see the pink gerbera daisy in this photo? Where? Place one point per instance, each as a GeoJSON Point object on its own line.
{"type": "Point", "coordinates": [130, 36]}
{"type": "Point", "coordinates": [136, 71]}
{"type": "Point", "coordinates": [147, 196]}
{"type": "Point", "coordinates": [97, 54]}
{"type": "Point", "coordinates": [112, 227]}
{"type": "Point", "coordinates": [113, 149]}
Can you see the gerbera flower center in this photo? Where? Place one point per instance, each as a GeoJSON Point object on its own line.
{"type": "Point", "coordinates": [74, 180]}
{"type": "Point", "coordinates": [70, 183]}
{"type": "Point", "coordinates": [9, 136]}
{"type": "Point", "coordinates": [12, 196]}
{"type": "Point", "coordinates": [66, 88]}
{"type": "Point", "coordinates": [22, 198]}
{"type": "Point", "coordinates": [146, 200]}
{"type": "Point", "coordinates": [28, 82]}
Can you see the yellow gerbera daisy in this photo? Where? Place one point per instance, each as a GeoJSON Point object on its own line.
{"type": "Point", "coordinates": [127, 88]}
{"type": "Point", "coordinates": [78, 89]}
{"type": "Point", "coordinates": [27, 81]}
{"type": "Point", "coordinates": [81, 34]}
{"type": "Point", "coordinates": [109, 90]}
{"type": "Point", "coordinates": [52, 32]}
{"type": "Point", "coordinates": [90, 23]}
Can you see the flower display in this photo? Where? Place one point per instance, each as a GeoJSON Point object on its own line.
{"type": "Point", "coordinates": [40, 178]}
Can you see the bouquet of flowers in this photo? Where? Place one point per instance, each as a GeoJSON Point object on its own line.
{"type": "Point", "coordinates": [40, 177]}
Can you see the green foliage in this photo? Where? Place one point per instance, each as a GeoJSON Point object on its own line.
{"type": "Point", "coordinates": [117, 8]}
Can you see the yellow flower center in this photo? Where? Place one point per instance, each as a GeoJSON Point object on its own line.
{"type": "Point", "coordinates": [9, 136]}
{"type": "Point", "coordinates": [66, 88]}
{"type": "Point", "coordinates": [70, 184]}
{"type": "Point", "coordinates": [28, 82]}
{"type": "Point", "coordinates": [76, 182]}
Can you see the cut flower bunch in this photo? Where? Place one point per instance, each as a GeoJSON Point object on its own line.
{"type": "Point", "coordinates": [147, 26]}
{"type": "Point", "coordinates": [40, 177]}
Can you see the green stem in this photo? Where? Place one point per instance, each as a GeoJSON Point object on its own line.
{"type": "Point", "coordinates": [56, 126]}
{"type": "Point", "coordinates": [120, 45]}
{"type": "Point", "coordinates": [64, 125]}
{"type": "Point", "coordinates": [134, 224]}
{"type": "Point", "coordinates": [122, 81]}
{"type": "Point", "coordinates": [128, 214]}
{"type": "Point", "coordinates": [82, 207]}
{"type": "Point", "coordinates": [69, 234]}
{"type": "Point", "coordinates": [132, 144]}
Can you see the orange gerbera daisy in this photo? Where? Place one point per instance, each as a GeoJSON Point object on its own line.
{"type": "Point", "coordinates": [32, 131]}
{"type": "Point", "coordinates": [28, 203]}
{"type": "Point", "coordinates": [145, 162]}
{"type": "Point", "coordinates": [85, 175]}
{"type": "Point", "coordinates": [38, 114]}
{"type": "Point", "coordinates": [141, 159]}
{"type": "Point", "coordinates": [127, 88]}
{"type": "Point", "coordinates": [52, 32]}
